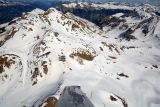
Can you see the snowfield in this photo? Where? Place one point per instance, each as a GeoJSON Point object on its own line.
{"type": "Point", "coordinates": [42, 52]}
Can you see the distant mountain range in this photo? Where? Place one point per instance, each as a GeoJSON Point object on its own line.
{"type": "Point", "coordinates": [156, 2]}
{"type": "Point", "coordinates": [10, 3]}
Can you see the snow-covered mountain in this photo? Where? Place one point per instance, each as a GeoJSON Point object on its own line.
{"type": "Point", "coordinates": [117, 65]}
{"type": "Point", "coordinates": [10, 2]}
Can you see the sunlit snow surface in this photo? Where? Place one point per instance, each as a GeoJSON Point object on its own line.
{"type": "Point", "coordinates": [127, 70]}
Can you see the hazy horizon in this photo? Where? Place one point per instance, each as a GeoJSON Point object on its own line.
{"type": "Point", "coordinates": [156, 2]}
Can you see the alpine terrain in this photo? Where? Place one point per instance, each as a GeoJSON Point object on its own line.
{"type": "Point", "coordinates": [69, 54]}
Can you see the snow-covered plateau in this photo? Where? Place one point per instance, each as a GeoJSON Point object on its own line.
{"type": "Point", "coordinates": [118, 65]}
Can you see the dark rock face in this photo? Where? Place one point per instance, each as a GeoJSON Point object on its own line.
{"type": "Point", "coordinates": [72, 96]}
{"type": "Point", "coordinates": [157, 13]}
{"type": "Point", "coordinates": [2, 30]}
{"type": "Point", "coordinates": [144, 25]}
{"type": "Point", "coordinates": [98, 16]}
{"type": "Point", "coordinates": [111, 21]}
{"type": "Point", "coordinates": [132, 14]}
{"type": "Point", "coordinates": [128, 34]}
{"type": "Point", "coordinates": [145, 30]}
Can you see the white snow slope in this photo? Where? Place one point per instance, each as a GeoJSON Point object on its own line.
{"type": "Point", "coordinates": [44, 51]}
